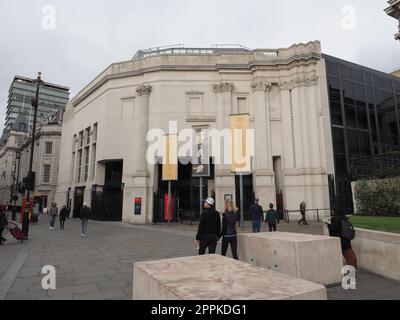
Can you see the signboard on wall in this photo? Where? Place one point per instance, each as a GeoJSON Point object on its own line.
{"type": "Point", "coordinates": [170, 158]}
{"type": "Point", "coordinates": [138, 206]}
{"type": "Point", "coordinates": [241, 152]}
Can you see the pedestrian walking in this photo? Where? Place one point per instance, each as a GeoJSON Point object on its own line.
{"type": "Point", "coordinates": [256, 216]}
{"type": "Point", "coordinates": [3, 225]}
{"type": "Point", "coordinates": [303, 220]}
{"type": "Point", "coordinates": [53, 215]}
{"type": "Point", "coordinates": [209, 228]}
{"type": "Point", "coordinates": [230, 219]}
{"type": "Point", "coordinates": [342, 228]}
{"type": "Point", "coordinates": [272, 218]}
{"type": "Point", "coordinates": [63, 217]}
{"type": "Point", "coordinates": [85, 214]}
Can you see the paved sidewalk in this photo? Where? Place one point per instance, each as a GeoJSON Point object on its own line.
{"type": "Point", "coordinates": [101, 265]}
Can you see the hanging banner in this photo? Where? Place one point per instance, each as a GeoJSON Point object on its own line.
{"type": "Point", "coordinates": [170, 158]}
{"type": "Point", "coordinates": [201, 157]}
{"type": "Point", "coordinates": [241, 148]}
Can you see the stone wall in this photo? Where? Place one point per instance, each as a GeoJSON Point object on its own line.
{"type": "Point", "coordinates": [377, 252]}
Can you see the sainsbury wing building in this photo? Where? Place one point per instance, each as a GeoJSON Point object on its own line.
{"type": "Point", "coordinates": [312, 114]}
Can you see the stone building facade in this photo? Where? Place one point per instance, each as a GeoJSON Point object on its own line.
{"type": "Point", "coordinates": [394, 11]}
{"type": "Point", "coordinates": [284, 91]}
{"type": "Point", "coordinates": [14, 162]}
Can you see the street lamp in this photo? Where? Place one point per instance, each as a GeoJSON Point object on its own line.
{"type": "Point", "coordinates": [31, 175]}
{"type": "Point", "coordinates": [14, 195]}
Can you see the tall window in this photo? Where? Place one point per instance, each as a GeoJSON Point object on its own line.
{"type": "Point", "coordinates": [95, 132]}
{"type": "Point", "coordinates": [93, 166]}
{"type": "Point", "coordinates": [81, 139]}
{"type": "Point", "coordinates": [79, 167]}
{"type": "Point", "coordinates": [46, 173]}
{"type": "Point", "coordinates": [86, 164]}
{"type": "Point", "coordinates": [87, 136]}
{"type": "Point", "coordinates": [49, 148]}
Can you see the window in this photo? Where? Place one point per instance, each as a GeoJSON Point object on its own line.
{"type": "Point", "coordinates": [46, 173]}
{"type": "Point", "coordinates": [49, 147]}
{"type": "Point", "coordinates": [93, 166]}
{"type": "Point", "coordinates": [87, 136]}
{"type": "Point", "coordinates": [81, 139]}
{"type": "Point", "coordinates": [73, 166]}
{"type": "Point", "coordinates": [332, 68]}
{"type": "Point", "coordinates": [79, 167]}
{"type": "Point", "coordinates": [357, 75]}
{"type": "Point", "coordinates": [95, 132]}
{"type": "Point", "coordinates": [242, 105]}
{"type": "Point", "coordinates": [345, 72]}
{"type": "Point", "coordinates": [334, 90]}
{"type": "Point", "coordinates": [336, 113]}
{"type": "Point", "coordinates": [86, 173]}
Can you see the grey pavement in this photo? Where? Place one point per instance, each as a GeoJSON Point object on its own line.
{"type": "Point", "coordinates": [100, 266]}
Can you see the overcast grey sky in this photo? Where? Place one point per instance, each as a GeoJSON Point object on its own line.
{"type": "Point", "coordinates": [92, 34]}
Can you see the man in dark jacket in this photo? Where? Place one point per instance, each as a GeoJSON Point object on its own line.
{"type": "Point", "coordinates": [85, 214]}
{"type": "Point", "coordinates": [3, 225]}
{"type": "Point", "coordinates": [209, 228]}
{"type": "Point", "coordinates": [272, 218]}
{"type": "Point", "coordinates": [256, 216]}
{"type": "Point", "coordinates": [63, 217]}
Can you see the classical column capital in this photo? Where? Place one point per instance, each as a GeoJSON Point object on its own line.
{"type": "Point", "coordinates": [144, 90]}
{"type": "Point", "coordinates": [261, 85]}
{"type": "Point", "coordinates": [224, 87]}
{"type": "Point", "coordinates": [286, 85]}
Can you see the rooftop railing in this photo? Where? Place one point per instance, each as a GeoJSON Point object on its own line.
{"type": "Point", "coordinates": [215, 49]}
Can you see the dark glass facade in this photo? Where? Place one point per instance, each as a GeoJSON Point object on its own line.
{"type": "Point", "coordinates": [365, 110]}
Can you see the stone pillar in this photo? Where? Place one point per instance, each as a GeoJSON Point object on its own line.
{"type": "Point", "coordinates": [263, 165]}
{"type": "Point", "coordinates": [224, 179]}
{"type": "Point", "coordinates": [288, 156]}
{"type": "Point", "coordinates": [138, 187]}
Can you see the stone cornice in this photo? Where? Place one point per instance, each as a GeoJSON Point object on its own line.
{"type": "Point", "coordinates": [302, 54]}
{"type": "Point", "coordinates": [144, 90]}
{"type": "Point", "coordinates": [224, 87]}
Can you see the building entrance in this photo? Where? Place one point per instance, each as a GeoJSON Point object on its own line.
{"type": "Point", "coordinates": [185, 195]}
{"type": "Point", "coordinates": [107, 200]}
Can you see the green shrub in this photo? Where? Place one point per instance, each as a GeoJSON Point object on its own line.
{"type": "Point", "coordinates": [378, 197]}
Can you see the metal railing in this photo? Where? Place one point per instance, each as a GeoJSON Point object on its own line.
{"type": "Point", "coordinates": [318, 214]}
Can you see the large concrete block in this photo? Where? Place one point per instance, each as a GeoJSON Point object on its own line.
{"type": "Point", "coordinates": [213, 277]}
{"type": "Point", "coordinates": [314, 258]}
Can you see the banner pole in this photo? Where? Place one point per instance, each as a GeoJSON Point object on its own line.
{"type": "Point", "coordinates": [241, 202]}
{"type": "Point", "coordinates": [169, 202]}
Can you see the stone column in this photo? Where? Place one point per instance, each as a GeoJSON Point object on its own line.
{"type": "Point", "coordinates": [288, 156]}
{"type": "Point", "coordinates": [141, 127]}
{"type": "Point", "coordinates": [224, 179]}
{"type": "Point", "coordinates": [263, 165]}
{"type": "Point", "coordinates": [138, 187]}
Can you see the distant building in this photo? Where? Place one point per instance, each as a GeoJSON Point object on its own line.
{"type": "Point", "coordinates": [396, 73]}
{"type": "Point", "coordinates": [14, 161]}
{"type": "Point", "coordinates": [52, 100]}
{"type": "Point", "coordinates": [394, 11]}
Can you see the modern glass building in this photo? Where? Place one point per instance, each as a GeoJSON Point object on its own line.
{"type": "Point", "coordinates": [365, 112]}
{"type": "Point", "coordinates": [52, 99]}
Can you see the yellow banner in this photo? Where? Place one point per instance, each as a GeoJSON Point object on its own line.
{"type": "Point", "coordinates": [170, 158]}
{"type": "Point", "coordinates": [241, 158]}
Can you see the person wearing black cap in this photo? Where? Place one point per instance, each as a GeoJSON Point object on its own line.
{"type": "Point", "coordinates": [209, 228]}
